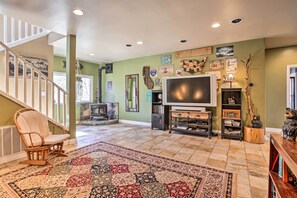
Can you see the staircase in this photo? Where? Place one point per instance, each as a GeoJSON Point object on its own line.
{"type": "Point", "coordinates": [16, 32]}
{"type": "Point", "coordinates": [24, 84]}
{"type": "Point", "coordinates": [21, 81]}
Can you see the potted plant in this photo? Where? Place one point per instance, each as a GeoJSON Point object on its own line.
{"type": "Point", "coordinates": [253, 132]}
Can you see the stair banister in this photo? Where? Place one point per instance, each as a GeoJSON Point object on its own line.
{"type": "Point", "coordinates": [41, 78]}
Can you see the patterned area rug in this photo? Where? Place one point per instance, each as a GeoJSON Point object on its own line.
{"type": "Point", "coordinates": [106, 170]}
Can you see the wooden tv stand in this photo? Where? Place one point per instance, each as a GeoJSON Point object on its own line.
{"type": "Point", "coordinates": [191, 121]}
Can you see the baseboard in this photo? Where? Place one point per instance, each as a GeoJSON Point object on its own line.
{"type": "Point", "coordinates": [135, 122]}
{"type": "Point", "coordinates": [9, 158]}
{"type": "Point", "coordinates": [273, 130]}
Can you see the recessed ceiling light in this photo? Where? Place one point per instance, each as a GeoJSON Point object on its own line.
{"type": "Point", "coordinates": [238, 20]}
{"type": "Point", "coordinates": [78, 12]}
{"type": "Point", "coordinates": [183, 41]}
{"type": "Point", "coordinates": [215, 25]}
{"type": "Point", "coordinates": [128, 45]}
{"type": "Point", "coordinates": [92, 54]}
{"type": "Point", "coordinates": [139, 42]}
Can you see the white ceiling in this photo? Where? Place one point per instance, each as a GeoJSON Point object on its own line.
{"type": "Point", "coordinates": [108, 25]}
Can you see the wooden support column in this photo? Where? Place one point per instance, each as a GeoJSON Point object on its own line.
{"type": "Point", "coordinates": [70, 79]}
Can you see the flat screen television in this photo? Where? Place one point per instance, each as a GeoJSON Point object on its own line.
{"type": "Point", "coordinates": [199, 91]}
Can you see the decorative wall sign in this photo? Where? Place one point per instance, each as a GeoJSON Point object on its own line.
{"type": "Point", "coordinates": [217, 73]}
{"type": "Point", "coordinates": [146, 77]}
{"type": "Point", "coordinates": [166, 70]}
{"type": "Point", "coordinates": [231, 65]}
{"type": "Point", "coordinates": [194, 52]}
{"type": "Point", "coordinates": [166, 59]}
{"type": "Point", "coordinates": [178, 72]}
{"type": "Point", "coordinates": [225, 51]}
{"type": "Point", "coordinates": [192, 66]}
{"type": "Point", "coordinates": [78, 65]}
{"type": "Point", "coordinates": [39, 63]}
{"type": "Point", "coordinates": [157, 82]}
{"type": "Point", "coordinates": [109, 85]}
{"type": "Point", "coordinates": [216, 64]}
{"type": "Point", "coordinates": [153, 72]}
{"type": "Point", "coordinates": [148, 96]}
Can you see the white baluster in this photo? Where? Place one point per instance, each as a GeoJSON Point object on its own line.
{"type": "Point", "coordinates": [32, 30]}
{"type": "Point", "coordinates": [12, 30]}
{"type": "Point", "coordinates": [20, 30]}
{"type": "Point", "coordinates": [58, 105]}
{"type": "Point", "coordinates": [26, 30]}
{"type": "Point", "coordinates": [46, 97]}
{"type": "Point", "coordinates": [64, 109]}
{"type": "Point", "coordinates": [5, 28]}
{"type": "Point", "coordinates": [53, 99]}
{"type": "Point", "coordinates": [32, 87]}
{"type": "Point", "coordinates": [25, 81]}
{"type": "Point", "coordinates": [39, 91]}
{"type": "Point", "coordinates": [7, 71]}
{"type": "Point", "coordinates": [16, 76]}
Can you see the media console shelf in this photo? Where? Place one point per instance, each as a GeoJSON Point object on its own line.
{"type": "Point", "coordinates": [191, 121]}
{"type": "Point", "coordinates": [282, 167]}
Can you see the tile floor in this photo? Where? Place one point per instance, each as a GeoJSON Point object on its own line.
{"type": "Point", "coordinates": [248, 161]}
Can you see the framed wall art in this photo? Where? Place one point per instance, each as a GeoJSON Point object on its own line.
{"type": "Point", "coordinates": [166, 70]}
{"type": "Point", "coordinates": [109, 85]}
{"type": "Point", "coordinates": [178, 72]}
{"type": "Point", "coordinates": [231, 114]}
{"type": "Point", "coordinates": [153, 72]}
{"type": "Point", "coordinates": [157, 82]}
{"type": "Point", "coordinates": [225, 51]}
{"type": "Point", "coordinates": [216, 64]}
{"type": "Point", "coordinates": [39, 63]}
{"type": "Point", "coordinates": [231, 65]}
{"type": "Point", "coordinates": [166, 59]}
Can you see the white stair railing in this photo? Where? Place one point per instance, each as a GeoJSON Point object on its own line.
{"type": "Point", "coordinates": [15, 30]}
{"type": "Point", "coordinates": [28, 85]}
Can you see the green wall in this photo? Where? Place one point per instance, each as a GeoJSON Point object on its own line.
{"type": "Point", "coordinates": [268, 93]}
{"type": "Point", "coordinates": [275, 78]}
{"type": "Point", "coordinates": [134, 66]}
{"type": "Point", "coordinates": [89, 69]}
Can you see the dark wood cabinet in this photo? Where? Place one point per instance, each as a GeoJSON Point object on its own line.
{"type": "Point", "coordinates": [232, 113]}
{"type": "Point", "coordinates": [191, 121]}
{"type": "Point", "coordinates": [282, 167]}
{"type": "Point", "coordinates": [160, 113]}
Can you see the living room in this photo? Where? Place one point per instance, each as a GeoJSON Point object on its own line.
{"type": "Point", "coordinates": [242, 165]}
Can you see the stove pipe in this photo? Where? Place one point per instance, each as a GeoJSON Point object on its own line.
{"type": "Point", "coordinates": [108, 69]}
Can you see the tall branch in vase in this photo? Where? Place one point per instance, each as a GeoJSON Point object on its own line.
{"type": "Point", "coordinates": [248, 85]}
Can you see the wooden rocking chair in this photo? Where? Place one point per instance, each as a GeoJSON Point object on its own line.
{"type": "Point", "coordinates": [34, 130]}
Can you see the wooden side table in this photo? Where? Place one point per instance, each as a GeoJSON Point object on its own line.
{"type": "Point", "coordinates": [254, 135]}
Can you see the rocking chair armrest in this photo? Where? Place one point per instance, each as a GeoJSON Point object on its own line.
{"type": "Point", "coordinates": [30, 133]}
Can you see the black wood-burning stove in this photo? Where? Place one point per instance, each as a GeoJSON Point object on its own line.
{"type": "Point", "coordinates": [98, 111]}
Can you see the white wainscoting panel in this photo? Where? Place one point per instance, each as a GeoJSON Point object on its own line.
{"type": "Point", "coordinates": [11, 145]}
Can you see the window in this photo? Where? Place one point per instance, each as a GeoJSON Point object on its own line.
{"type": "Point", "coordinates": [84, 86]}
